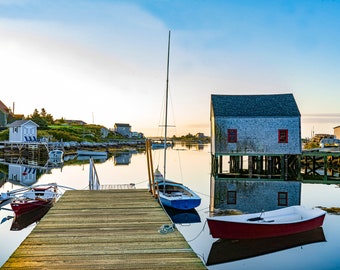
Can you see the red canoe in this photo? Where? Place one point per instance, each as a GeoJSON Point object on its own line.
{"type": "Point", "coordinates": [285, 221]}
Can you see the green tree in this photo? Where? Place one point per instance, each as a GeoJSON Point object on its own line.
{"type": "Point", "coordinates": [43, 119]}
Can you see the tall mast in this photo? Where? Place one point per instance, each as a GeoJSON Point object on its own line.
{"type": "Point", "coordinates": [166, 107]}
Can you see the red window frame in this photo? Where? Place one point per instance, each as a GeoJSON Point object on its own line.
{"type": "Point", "coordinates": [282, 198]}
{"type": "Point", "coordinates": [232, 135]}
{"type": "Point", "coordinates": [283, 136]}
{"type": "Point", "coordinates": [231, 197]}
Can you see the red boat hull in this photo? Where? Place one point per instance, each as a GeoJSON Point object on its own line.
{"type": "Point", "coordinates": [22, 206]}
{"type": "Point", "coordinates": [237, 230]}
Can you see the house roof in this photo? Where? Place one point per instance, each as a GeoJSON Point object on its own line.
{"type": "Point", "coordinates": [277, 105]}
{"type": "Point", "coordinates": [122, 125]}
{"type": "Point", "coordinates": [19, 123]}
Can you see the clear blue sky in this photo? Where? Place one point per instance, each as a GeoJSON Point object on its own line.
{"type": "Point", "coordinates": [105, 60]}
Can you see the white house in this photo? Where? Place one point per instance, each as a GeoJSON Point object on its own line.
{"type": "Point", "coordinates": [23, 131]}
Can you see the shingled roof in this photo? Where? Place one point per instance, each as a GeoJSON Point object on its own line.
{"type": "Point", "coordinates": [19, 123]}
{"type": "Point", "coordinates": [277, 105]}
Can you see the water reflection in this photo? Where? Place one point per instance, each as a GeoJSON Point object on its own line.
{"type": "Point", "coordinates": [183, 216]}
{"type": "Point", "coordinates": [251, 196]}
{"type": "Point", "coordinates": [123, 158]}
{"type": "Point", "coordinates": [226, 250]}
{"type": "Point", "coordinates": [101, 159]}
{"type": "Point", "coordinates": [196, 169]}
{"type": "Point", "coordinates": [27, 218]}
{"type": "Point", "coordinates": [25, 172]}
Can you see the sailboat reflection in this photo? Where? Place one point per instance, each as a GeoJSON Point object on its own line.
{"type": "Point", "coordinates": [227, 250]}
{"type": "Point", "coordinates": [183, 216]}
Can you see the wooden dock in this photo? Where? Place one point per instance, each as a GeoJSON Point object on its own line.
{"type": "Point", "coordinates": [105, 229]}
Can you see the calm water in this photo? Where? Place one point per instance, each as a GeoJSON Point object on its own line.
{"type": "Point", "coordinates": [192, 167]}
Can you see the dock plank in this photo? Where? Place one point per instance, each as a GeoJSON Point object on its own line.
{"type": "Point", "coordinates": [106, 229]}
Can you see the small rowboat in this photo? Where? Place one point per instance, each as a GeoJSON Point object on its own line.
{"type": "Point", "coordinates": [284, 221]}
{"type": "Point", "coordinates": [34, 198]}
{"type": "Point", "coordinates": [177, 196]}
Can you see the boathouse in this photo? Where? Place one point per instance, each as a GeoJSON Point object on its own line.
{"type": "Point", "coordinates": [255, 138]}
{"type": "Point", "coordinates": [255, 124]}
{"type": "Point", "coordinates": [23, 131]}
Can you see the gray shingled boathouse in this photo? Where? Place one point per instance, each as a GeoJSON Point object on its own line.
{"type": "Point", "coordinates": [255, 138]}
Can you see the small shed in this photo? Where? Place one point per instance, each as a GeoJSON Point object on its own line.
{"type": "Point", "coordinates": [23, 131]}
{"type": "Point", "coordinates": [255, 124]}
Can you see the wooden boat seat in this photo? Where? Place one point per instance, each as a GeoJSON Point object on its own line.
{"type": "Point", "coordinates": [283, 218]}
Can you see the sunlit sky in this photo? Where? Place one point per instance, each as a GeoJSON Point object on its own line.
{"type": "Point", "coordinates": [104, 61]}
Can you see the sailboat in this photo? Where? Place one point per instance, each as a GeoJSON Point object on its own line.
{"type": "Point", "coordinates": [170, 193]}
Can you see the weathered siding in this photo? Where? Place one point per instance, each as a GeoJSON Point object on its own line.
{"type": "Point", "coordinates": [257, 120]}
{"type": "Point", "coordinates": [256, 135]}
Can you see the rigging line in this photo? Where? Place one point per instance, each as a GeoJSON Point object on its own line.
{"type": "Point", "coordinates": [158, 157]}
{"type": "Point", "coordinates": [161, 117]}
{"type": "Point", "coordinates": [180, 166]}
{"type": "Point", "coordinates": [161, 124]}
{"type": "Point", "coordinates": [141, 182]}
{"type": "Point", "coordinates": [172, 111]}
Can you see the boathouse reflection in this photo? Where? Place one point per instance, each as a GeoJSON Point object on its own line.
{"type": "Point", "coordinates": [123, 158]}
{"type": "Point", "coordinates": [250, 196]}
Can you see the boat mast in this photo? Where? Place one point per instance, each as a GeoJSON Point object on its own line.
{"type": "Point", "coordinates": [166, 106]}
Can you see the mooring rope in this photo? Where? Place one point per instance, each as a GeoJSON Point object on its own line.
{"type": "Point", "coordinates": [167, 228]}
{"type": "Point", "coordinates": [198, 233]}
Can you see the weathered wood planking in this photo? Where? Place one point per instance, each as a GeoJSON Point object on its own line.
{"type": "Point", "coordinates": [106, 229]}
